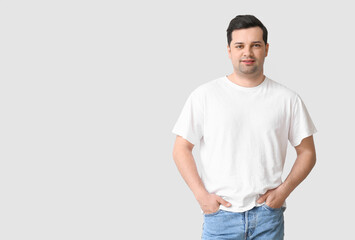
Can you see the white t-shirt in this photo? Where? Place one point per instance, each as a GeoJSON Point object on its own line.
{"type": "Point", "coordinates": [243, 134]}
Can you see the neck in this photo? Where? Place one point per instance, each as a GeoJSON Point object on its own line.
{"type": "Point", "coordinates": [246, 80]}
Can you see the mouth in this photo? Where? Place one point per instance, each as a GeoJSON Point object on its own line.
{"type": "Point", "coordinates": [248, 61]}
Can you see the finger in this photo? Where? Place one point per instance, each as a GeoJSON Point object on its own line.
{"type": "Point", "coordinates": [262, 199]}
{"type": "Point", "coordinates": [223, 202]}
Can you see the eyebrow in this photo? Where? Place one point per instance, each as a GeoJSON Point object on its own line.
{"type": "Point", "coordinates": [242, 42]}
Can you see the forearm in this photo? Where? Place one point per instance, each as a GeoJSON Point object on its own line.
{"type": "Point", "coordinates": [300, 170]}
{"type": "Point", "coordinates": [186, 165]}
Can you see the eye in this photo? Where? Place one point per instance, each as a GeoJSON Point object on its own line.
{"type": "Point", "coordinates": [239, 46]}
{"type": "Point", "coordinates": [257, 45]}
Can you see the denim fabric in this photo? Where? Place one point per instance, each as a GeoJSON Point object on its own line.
{"type": "Point", "coordinates": [259, 223]}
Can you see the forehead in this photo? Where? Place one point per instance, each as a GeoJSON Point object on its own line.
{"type": "Point", "coordinates": [247, 35]}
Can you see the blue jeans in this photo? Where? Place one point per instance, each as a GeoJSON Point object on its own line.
{"type": "Point", "coordinates": [259, 223]}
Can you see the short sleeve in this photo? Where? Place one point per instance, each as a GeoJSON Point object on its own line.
{"type": "Point", "coordinates": [189, 124]}
{"type": "Point", "coordinates": [301, 124]}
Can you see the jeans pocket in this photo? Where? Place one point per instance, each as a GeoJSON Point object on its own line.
{"type": "Point", "coordinates": [212, 214]}
{"type": "Point", "coordinates": [270, 208]}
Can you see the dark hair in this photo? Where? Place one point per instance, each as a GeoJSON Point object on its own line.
{"type": "Point", "coordinates": [245, 21]}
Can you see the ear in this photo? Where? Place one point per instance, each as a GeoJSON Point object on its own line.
{"type": "Point", "coordinates": [266, 49]}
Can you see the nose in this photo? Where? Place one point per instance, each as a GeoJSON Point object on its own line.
{"type": "Point", "coordinates": [247, 51]}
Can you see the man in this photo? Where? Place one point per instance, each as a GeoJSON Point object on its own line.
{"type": "Point", "coordinates": [243, 123]}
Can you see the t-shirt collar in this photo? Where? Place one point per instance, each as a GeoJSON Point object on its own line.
{"type": "Point", "coordinates": [238, 87]}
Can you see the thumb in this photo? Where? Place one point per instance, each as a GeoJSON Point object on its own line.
{"type": "Point", "coordinates": [223, 202]}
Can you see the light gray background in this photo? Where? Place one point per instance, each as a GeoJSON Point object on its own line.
{"type": "Point", "coordinates": [90, 91]}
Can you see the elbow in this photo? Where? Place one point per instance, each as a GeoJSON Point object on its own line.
{"type": "Point", "coordinates": [313, 159]}
{"type": "Point", "coordinates": [308, 157]}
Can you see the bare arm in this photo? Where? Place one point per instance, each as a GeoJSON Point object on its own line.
{"type": "Point", "coordinates": [306, 159]}
{"type": "Point", "coordinates": [185, 162]}
{"type": "Point", "coordinates": [186, 165]}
